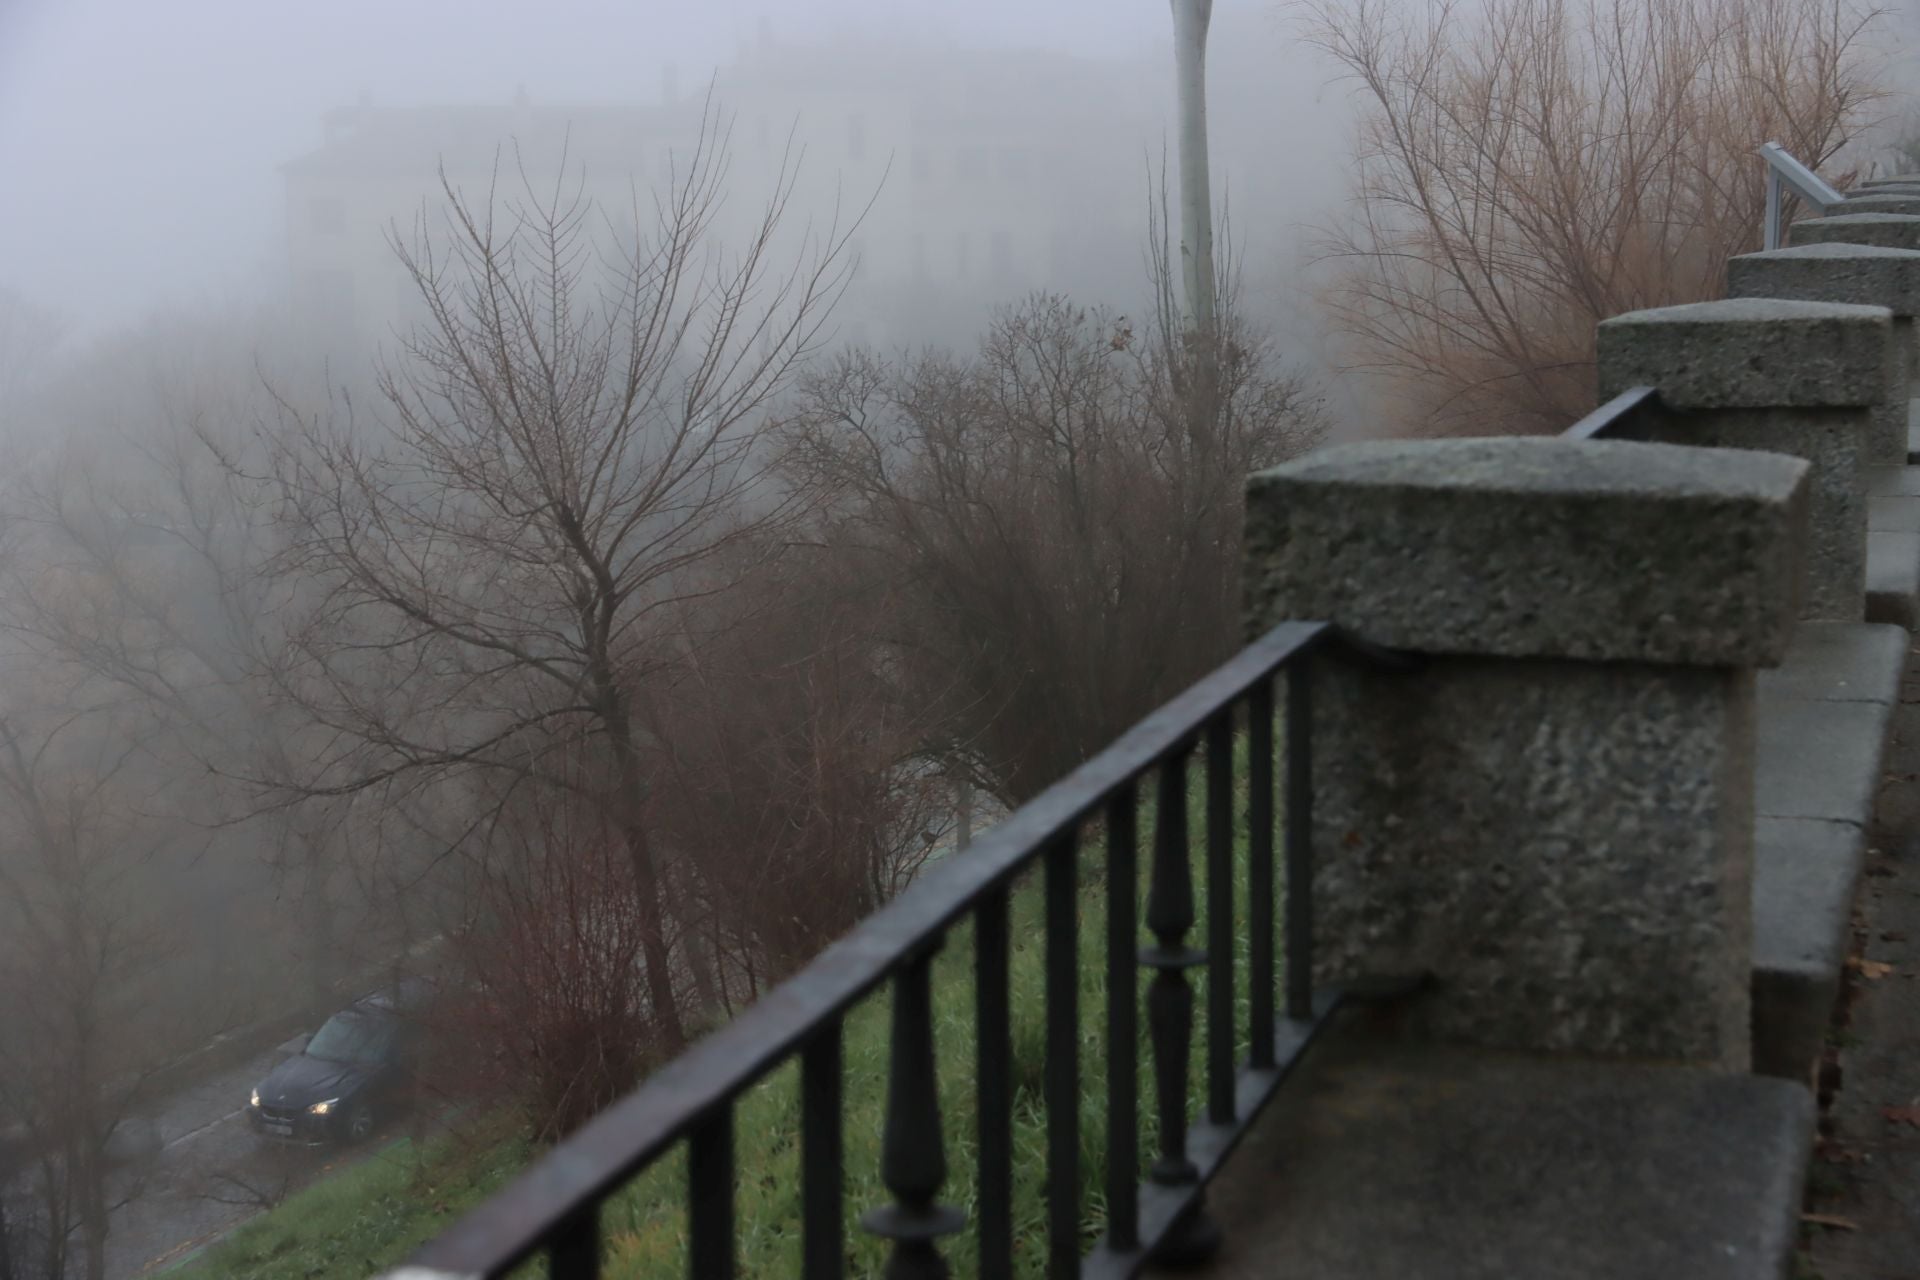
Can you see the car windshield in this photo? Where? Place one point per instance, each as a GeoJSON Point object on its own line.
{"type": "Point", "coordinates": [351, 1037]}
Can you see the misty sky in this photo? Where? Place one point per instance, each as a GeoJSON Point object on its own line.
{"type": "Point", "coordinates": [139, 138]}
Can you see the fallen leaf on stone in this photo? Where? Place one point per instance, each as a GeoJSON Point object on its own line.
{"type": "Point", "coordinates": [1872, 970]}
{"type": "Point", "coordinates": [1902, 1115]}
{"type": "Point", "coordinates": [1833, 1220]}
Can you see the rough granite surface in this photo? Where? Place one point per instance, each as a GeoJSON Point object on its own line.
{"type": "Point", "coordinates": [1839, 662]}
{"type": "Point", "coordinates": [1893, 579]}
{"type": "Point", "coordinates": [1883, 201]}
{"type": "Point", "coordinates": [1398, 1162]}
{"type": "Point", "coordinates": [1566, 845]}
{"type": "Point", "coordinates": [1605, 550]}
{"type": "Point", "coordinates": [1834, 442]}
{"type": "Point", "coordinates": [1830, 767]}
{"type": "Point", "coordinates": [1804, 875]}
{"type": "Point", "coordinates": [1833, 271]}
{"type": "Point", "coordinates": [1750, 353]}
{"type": "Point", "coordinates": [1893, 513]}
{"type": "Point", "coordinates": [1892, 230]}
{"type": "Point", "coordinates": [1902, 480]}
{"type": "Point", "coordinates": [1863, 274]}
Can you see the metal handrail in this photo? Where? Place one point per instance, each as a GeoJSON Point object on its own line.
{"type": "Point", "coordinates": [1784, 170]}
{"type": "Point", "coordinates": [554, 1206]}
{"type": "Point", "coordinates": [1612, 415]}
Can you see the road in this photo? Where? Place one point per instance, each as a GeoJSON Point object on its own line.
{"type": "Point", "coordinates": [203, 1172]}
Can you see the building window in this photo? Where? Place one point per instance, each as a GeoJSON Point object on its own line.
{"type": "Point", "coordinates": [328, 214]}
{"type": "Point", "coordinates": [856, 137]}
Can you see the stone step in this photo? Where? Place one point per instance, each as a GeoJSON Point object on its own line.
{"type": "Point", "coordinates": [1821, 726]}
{"type": "Point", "coordinates": [1893, 512]}
{"type": "Point", "coordinates": [1893, 578]}
{"type": "Point", "coordinates": [1381, 1160]}
{"type": "Point", "coordinates": [1805, 872]}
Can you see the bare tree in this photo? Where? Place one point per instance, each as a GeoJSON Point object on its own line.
{"type": "Point", "coordinates": [563, 449]}
{"type": "Point", "coordinates": [1530, 167]}
{"type": "Point", "coordinates": [29, 336]}
{"type": "Point", "coordinates": [181, 617]}
{"type": "Point", "coordinates": [1058, 526]}
{"type": "Point", "coordinates": [800, 798]}
{"type": "Point", "coordinates": [78, 948]}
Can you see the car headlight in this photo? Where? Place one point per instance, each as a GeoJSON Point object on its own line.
{"type": "Point", "coordinates": [254, 1101]}
{"type": "Point", "coordinates": [321, 1108]}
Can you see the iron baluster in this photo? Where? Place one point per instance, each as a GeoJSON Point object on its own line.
{"type": "Point", "coordinates": [1299, 842]}
{"type": "Point", "coordinates": [574, 1251]}
{"type": "Point", "coordinates": [1170, 999]}
{"type": "Point", "coordinates": [913, 1157]}
{"type": "Point", "coordinates": [1220, 919]}
{"type": "Point", "coordinates": [1062, 1081]}
{"type": "Point", "coordinates": [1123, 1021]}
{"type": "Point", "coordinates": [1260, 977]}
{"type": "Point", "coordinates": [994, 1071]}
{"type": "Point", "coordinates": [822, 1157]}
{"type": "Point", "coordinates": [710, 1195]}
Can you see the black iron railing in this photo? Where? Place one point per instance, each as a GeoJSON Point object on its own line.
{"type": "Point", "coordinates": [554, 1207]}
{"type": "Point", "coordinates": [1615, 415]}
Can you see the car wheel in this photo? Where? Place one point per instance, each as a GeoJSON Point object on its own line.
{"type": "Point", "coordinates": [359, 1123]}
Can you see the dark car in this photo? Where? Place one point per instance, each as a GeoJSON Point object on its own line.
{"type": "Point", "coordinates": [354, 1071]}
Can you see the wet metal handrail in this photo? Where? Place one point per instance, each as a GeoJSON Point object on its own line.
{"type": "Point", "coordinates": [553, 1208]}
{"type": "Point", "coordinates": [1612, 415]}
{"type": "Point", "coordinates": [1785, 171]}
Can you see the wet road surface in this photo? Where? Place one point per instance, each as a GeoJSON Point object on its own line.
{"type": "Point", "coordinates": [201, 1171]}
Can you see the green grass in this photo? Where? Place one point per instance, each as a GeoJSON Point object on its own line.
{"type": "Point", "coordinates": [368, 1216]}
{"type": "Point", "coordinates": [372, 1216]}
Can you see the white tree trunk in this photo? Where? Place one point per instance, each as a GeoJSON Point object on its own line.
{"type": "Point", "coordinates": [1190, 19]}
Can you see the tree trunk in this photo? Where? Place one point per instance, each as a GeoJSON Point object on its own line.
{"type": "Point", "coordinates": [632, 786]}
{"type": "Point", "coordinates": [653, 936]}
{"type": "Point", "coordinates": [318, 914]}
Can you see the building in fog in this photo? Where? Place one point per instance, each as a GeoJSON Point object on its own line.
{"type": "Point", "coordinates": [990, 173]}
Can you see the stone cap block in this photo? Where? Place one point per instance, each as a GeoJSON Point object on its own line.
{"type": "Point", "coordinates": [1535, 547]}
{"type": "Point", "coordinates": [1750, 353]}
{"type": "Point", "coordinates": [1864, 274]}
{"type": "Point", "coordinates": [1882, 202]}
{"type": "Point", "coordinates": [1891, 180]}
{"type": "Point", "coordinates": [1893, 230]}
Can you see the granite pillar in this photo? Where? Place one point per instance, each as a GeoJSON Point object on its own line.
{"type": "Point", "coordinates": [1553, 813]}
{"type": "Point", "coordinates": [1802, 378]}
{"type": "Point", "coordinates": [1866, 275]}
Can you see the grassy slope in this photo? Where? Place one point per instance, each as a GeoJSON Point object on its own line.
{"type": "Point", "coordinates": [372, 1216]}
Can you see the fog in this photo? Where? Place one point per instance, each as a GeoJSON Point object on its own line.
{"type": "Point", "coordinates": [142, 144]}
{"type": "Point", "coordinates": [579, 503]}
